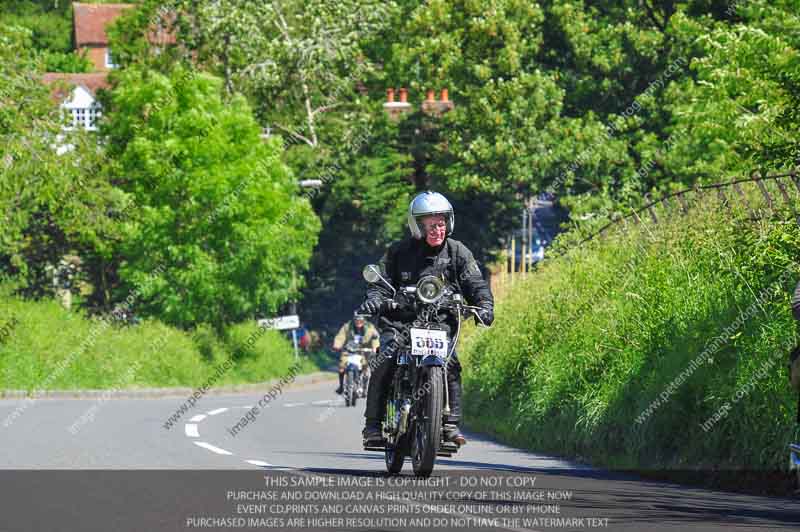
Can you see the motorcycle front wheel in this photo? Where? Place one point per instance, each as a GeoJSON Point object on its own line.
{"type": "Point", "coordinates": [349, 389]}
{"type": "Point", "coordinates": [394, 455]}
{"type": "Point", "coordinates": [428, 422]}
{"type": "Point", "coordinates": [354, 378]}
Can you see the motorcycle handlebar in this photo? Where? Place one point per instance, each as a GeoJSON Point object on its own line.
{"type": "Point", "coordinates": [464, 310]}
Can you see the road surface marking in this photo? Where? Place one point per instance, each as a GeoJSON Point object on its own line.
{"type": "Point", "coordinates": [191, 430]}
{"type": "Point", "coordinates": [325, 402]}
{"type": "Point", "coordinates": [211, 448]}
{"type": "Point", "coordinates": [290, 405]}
{"type": "Point", "coordinates": [217, 411]}
{"type": "Point", "coordinates": [248, 407]}
{"type": "Point", "coordinates": [198, 417]}
{"type": "Point", "coordinates": [259, 463]}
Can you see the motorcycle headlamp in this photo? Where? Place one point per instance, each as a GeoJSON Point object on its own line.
{"type": "Point", "coordinates": [430, 289]}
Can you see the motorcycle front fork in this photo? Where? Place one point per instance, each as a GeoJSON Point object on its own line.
{"type": "Point", "coordinates": [446, 410]}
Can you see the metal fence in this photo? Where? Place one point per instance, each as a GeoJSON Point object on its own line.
{"type": "Point", "coordinates": [757, 197]}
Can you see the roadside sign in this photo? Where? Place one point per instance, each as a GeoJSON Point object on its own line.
{"type": "Point", "coordinates": [281, 323]}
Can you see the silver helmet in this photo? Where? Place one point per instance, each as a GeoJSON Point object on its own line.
{"type": "Point", "coordinates": [426, 204]}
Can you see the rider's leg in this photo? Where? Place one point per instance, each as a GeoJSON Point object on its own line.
{"type": "Point", "coordinates": [362, 377]}
{"type": "Point", "coordinates": [451, 431]}
{"type": "Point", "coordinates": [382, 372]}
{"type": "Point", "coordinates": [341, 373]}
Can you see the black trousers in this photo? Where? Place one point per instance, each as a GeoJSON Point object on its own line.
{"type": "Point", "coordinates": [383, 367]}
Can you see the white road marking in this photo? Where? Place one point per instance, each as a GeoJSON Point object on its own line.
{"type": "Point", "coordinates": [198, 417]}
{"type": "Point", "coordinates": [290, 405]}
{"type": "Point", "coordinates": [259, 463]}
{"type": "Point", "coordinates": [217, 411]}
{"type": "Point", "coordinates": [325, 402]}
{"type": "Point", "coordinates": [248, 407]}
{"type": "Point", "coordinates": [211, 448]}
{"type": "Point", "coordinates": [191, 430]}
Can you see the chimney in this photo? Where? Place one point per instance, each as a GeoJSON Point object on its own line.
{"type": "Point", "coordinates": [396, 109]}
{"type": "Point", "coordinates": [434, 107]}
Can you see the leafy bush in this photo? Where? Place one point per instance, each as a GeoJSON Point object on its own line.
{"type": "Point", "coordinates": [583, 349]}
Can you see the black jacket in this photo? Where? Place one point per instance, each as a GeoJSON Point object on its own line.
{"type": "Point", "coordinates": [406, 261]}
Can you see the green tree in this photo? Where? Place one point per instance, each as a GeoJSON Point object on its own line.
{"type": "Point", "coordinates": [739, 111]}
{"type": "Point", "coordinates": [50, 204]}
{"type": "Point", "coordinates": [208, 194]}
{"type": "Point", "coordinates": [50, 24]}
{"type": "Point", "coordinates": [509, 135]}
{"type": "Point", "coordinates": [303, 68]}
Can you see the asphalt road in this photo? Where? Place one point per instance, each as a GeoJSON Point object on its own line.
{"type": "Point", "coordinates": [135, 474]}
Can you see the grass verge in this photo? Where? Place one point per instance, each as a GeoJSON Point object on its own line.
{"type": "Point", "coordinates": [48, 348]}
{"type": "Point", "coordinates": [661, 348]}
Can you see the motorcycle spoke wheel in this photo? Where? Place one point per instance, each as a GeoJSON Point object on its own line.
{"type": "Point", "coordinates": [348, 386]}
{"type": "Point", "coordinates": [428, 424]}
{"type": "Point", "coordinates": [394, 456]}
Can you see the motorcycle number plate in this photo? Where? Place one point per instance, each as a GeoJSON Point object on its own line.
{"type": "Point", "coordinates": [354, 359]}
{"type": "Point", "coordinates": [428, 342]}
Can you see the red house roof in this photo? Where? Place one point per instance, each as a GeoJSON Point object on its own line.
{"type": "Point", "coordinates": [90, 21]}
{"type": "Point", "coordinates": [92, 81]}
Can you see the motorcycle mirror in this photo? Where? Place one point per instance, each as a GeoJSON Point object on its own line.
{"type": "Point", "coordinates": [371, 273]}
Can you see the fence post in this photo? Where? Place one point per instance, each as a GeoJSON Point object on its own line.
{"type": "Point", "coordinates": [723, 198]}
{"type": "Point", "coordinates": [785, 194]}
{"type": "Point", "coordinates": [765, 193]}
{"type": "Point", "coordinates": [652, 214]}
{"type": "Point", "coordinates": [682, 201]}
{"type": "Point", "coordinates": [796, 180]}
{"type": "Point", "coordinates": [739, 191]}
{"type": "Point", "coordinates": [513, 257]}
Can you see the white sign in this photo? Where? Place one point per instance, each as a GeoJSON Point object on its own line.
{"type": "Point", "coordinates": [428, 342]}
{"type": "Point", "coordinates": [281, 322]}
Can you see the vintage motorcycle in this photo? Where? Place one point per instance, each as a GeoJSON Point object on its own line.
{"type": "Point", "coordinates": [417, 400]}
{"type": "Point", "coordinates": [356, 373]}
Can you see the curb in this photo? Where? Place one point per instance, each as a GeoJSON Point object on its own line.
{"type": "Point", "coordinates": [144, 393]}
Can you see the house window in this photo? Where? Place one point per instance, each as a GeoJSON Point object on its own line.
{"type": "Point", "coordinates": [94, 114]}
{"type": "Point", "coordinates": [109, 59]}
{"type": "Point", "coordinates": [86, 117]}
{"type": "Point", "coordinates": [79, 117]}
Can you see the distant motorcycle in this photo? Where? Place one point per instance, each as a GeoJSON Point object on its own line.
{"type": "Point", "coordinates": [417, 400]}
{"type": "Point", "coordinates": [356, 374]}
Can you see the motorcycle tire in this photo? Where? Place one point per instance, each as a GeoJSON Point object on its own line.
{"type": "Point", "coordinates": [427, 430]}
{"type": "Point", "coordinates": [349, 387]}
{"type": "Point", "coordinates": [393, 455]}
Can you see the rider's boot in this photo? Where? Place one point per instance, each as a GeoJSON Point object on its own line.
{"type": "Point", "coordinates": [452, 434]}
{"type": "Point", "coordinates": [341, 382]}
{"type": "Point", "coordinates": [372, 432]}
{"type": "Point", "coordinates": [451, 431]}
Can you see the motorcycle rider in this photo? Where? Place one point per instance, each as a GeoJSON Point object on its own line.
{"type": "Point", "coordinates": [359, 333]}
{"type": "Point", "coordinates": [429, 250]}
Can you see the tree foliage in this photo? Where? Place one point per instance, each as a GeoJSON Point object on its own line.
{"type": "Point", "coordinates": [213, 205]}
{"type": "Point", "coordinates": [50, 204]}
{"type": "Point", "coordinates": [598, 102]}
{"type": "Point", "coordinates": [50, 26]}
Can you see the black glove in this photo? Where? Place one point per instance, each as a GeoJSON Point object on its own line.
{"type": "Point", "coordinates": [486, 315]}
{"type": "Point", "coordinates": [371, 306]}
